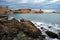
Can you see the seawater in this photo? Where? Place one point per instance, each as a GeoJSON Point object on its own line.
{"type": "Point", "coordinates": [46, 19]}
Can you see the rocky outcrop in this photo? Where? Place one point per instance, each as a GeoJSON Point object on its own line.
{"type": "Point", "coordinates": [10, 28]}
{"type": "Point", "coordinates": [51, 34]}
{"type": "Point", "coordinates": [28, 21]}
{"type": "Point", "coordinates": [30, 29]}
{"type": "Point", "coordinates": [3, 17]}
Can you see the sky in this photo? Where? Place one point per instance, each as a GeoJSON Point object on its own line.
{"type": "Point", "coordinates": [32, 4]}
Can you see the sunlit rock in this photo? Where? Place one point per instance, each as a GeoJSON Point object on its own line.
{"type": "Point", "coordinates": [30, 29]}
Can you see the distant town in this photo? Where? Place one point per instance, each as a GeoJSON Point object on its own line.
{"type": "Point", "coordinates": [5, 10]}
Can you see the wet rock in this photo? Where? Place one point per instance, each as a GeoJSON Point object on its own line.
{"type": "Point", "coordinates": [41, 24]}
{"type": "Point", "coordinates": [49, 26]}
{"type": "Point", "coordinates": [59, 33]}
{"type": "Point", "coordinates": [1, 22]}
{"type": "Point", "coordinates": [51, 34]}
{"type": "Point", "coordinates": [43, 36]}
{"type": "Point", "coordinates": [42, 28]}
{"type": "Point", "coordinates": [2, 16]}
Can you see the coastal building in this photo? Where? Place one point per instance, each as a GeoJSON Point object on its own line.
{"type": "Point", "coordinates": [3, 10]}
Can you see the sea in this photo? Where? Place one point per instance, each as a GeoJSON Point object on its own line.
{"type": "Point", "coordinates": [46, 19]}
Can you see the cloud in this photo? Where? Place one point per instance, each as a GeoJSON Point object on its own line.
{"type": "Point", "coordinates": [54, 1]}
{"type": "Point", "coordinates": [9, 0]}
{"type": "Point", "coordinates": [37, 4]}
{"type": "Point", "coordinates": [38, 1]}
{"type": "Point", "coordinates": [32, 1]}
{"type": "Point", "coordinates": [25, 1]}
{"type": "Point", "coordinates": [49, 10]}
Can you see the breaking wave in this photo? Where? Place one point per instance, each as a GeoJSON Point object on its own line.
{"type": "Point", "coordinates": [47, 26]}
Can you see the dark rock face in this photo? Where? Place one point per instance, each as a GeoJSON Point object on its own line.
{"type": "Point", "coordinates": [2, 16]}
{"type": "Point", "coordinates": [59, 33]}
{"type": "Point", "coordinates": [51, 34]}
{"type": "Point", "coordinates": [42, 28]}
{"type": "Point", "coordinates": [43, 36]}
{"type": "Point", "coordinates": [10, 28]}
{"type": "Point", "coordinates": [49, 26]}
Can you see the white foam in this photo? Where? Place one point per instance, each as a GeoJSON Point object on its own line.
{"type": "Point", "coordinates": [10, 18]}
{"type": "Point", "coordinates": [54, 28]}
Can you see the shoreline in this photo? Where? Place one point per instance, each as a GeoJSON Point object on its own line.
{"type": "Point", "coordinates": [43, 27]}
{"type": "Point", "coordinates": [31, 13]}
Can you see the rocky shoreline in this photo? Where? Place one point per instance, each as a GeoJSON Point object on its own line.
{"type": "Point", "coordinates": [9, 29]}
{"type": "Point", "coordinates": [23, 30]}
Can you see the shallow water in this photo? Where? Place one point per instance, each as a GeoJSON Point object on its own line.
{"type": "Point", "coordinates": [45, 19]}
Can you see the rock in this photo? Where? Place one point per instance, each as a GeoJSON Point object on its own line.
{"type": "Point", "coordinates": [1, 22]}
{"type": "Point", "coordinates": [11, 28]}
{"type": "Point", "coordinates": [25, 37]}
{"type": "Point", "coordinates": [51, 34]}
{"type": "Point", "coordinates": [59, 33]}
{"type": "Point", "coordinates": [28, 21]}
{"type": "Point", "coordinates": [3, 17]}
{"type": "Point", "coordinates": [41, 24]}
{"type": "Point", "coordinates": [43, 36]}
{"type": "Point", "coordinates": [42, 28]}
{"type": "Point", "coordinates": [49, 26]}
{"type": "Point", "coordinates": [15, 38]}
{"type": "Point", "coordinates": [30, 30]}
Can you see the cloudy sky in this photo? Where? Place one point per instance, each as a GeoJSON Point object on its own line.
{"type": "Point", "coordinates": [33, 4]}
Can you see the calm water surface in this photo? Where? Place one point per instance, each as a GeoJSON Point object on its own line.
{"type": "Point", "coordinates": [48, 18]}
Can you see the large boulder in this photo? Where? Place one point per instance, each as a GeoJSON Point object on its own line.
{"type": "Point", "coordinates": [51, 34]}
{"type": "Point", "coordinates": [30, 29]}
{"type": "Point", "coordinates": [28, 21]}
{"type": "Point", "coordinates": [10, 28]}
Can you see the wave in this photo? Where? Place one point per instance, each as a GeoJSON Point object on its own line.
{"type": "Point", "coordinates": [47, 26]}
